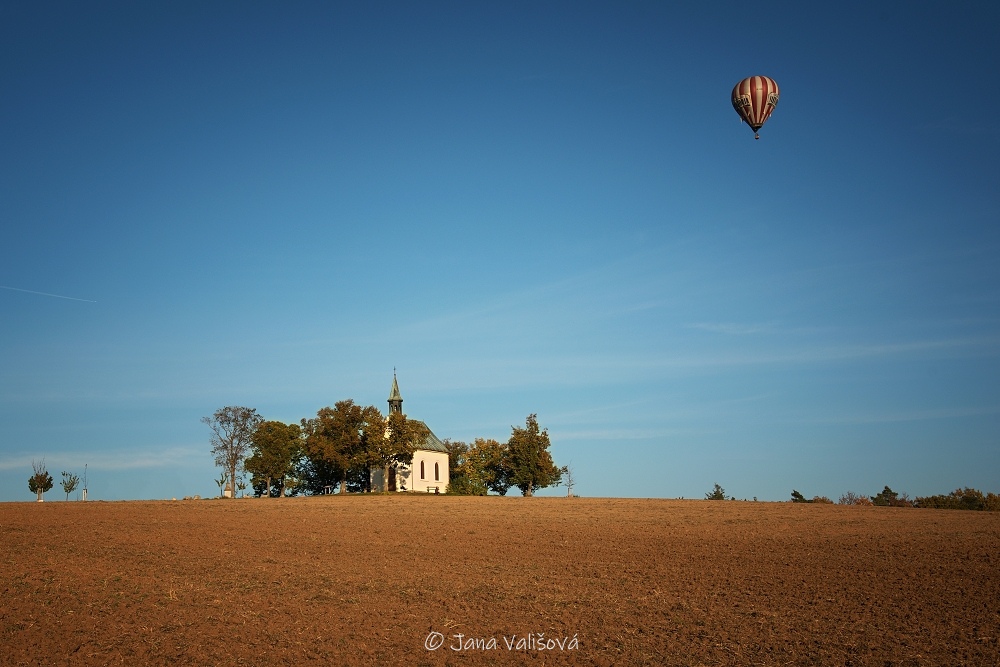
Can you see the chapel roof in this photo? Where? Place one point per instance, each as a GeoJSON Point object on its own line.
{"type": "Point", "coordinates": [431, 441]}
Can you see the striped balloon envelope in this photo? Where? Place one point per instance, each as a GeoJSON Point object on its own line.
{"type": "Point", "coordinates": [754, 98]}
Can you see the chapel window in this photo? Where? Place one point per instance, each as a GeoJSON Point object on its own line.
{"type": "Point", "coordinates": [422, 475]}
{"type": "Point", "coordinates": [437, 475]}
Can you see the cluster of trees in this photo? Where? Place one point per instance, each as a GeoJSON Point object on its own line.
{"type": "Point", "coordinates": [799, 498]}
{"type": "Point", "coordinates": [337, 448]}
{"type": "Point", "coordinates": [343, 444]}
{"type": "Point", "coordinates": [960, 499]}
{"type": "Point", "coordinates": [41, 481]}
{"type": "Point", "coordinates": [488, 466]}
{"type": "Point", "coordinates": [889, 498]}
{"type": "Point", "coordinates": [340, 446]}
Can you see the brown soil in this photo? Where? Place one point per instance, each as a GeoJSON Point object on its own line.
{"type": "Point", "coordinates": [364, 580]}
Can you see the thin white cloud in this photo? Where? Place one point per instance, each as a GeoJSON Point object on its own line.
{"type": "Point", "coordinates": [131, 459]}
{"type": "Point", "coordinates": [54, 296]}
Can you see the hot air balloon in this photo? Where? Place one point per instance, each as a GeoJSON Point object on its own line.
{"type": "Point", "coordinates": [754, 98]}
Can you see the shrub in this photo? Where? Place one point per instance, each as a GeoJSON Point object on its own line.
{"type": "Point", "coordinates": [962, 499]}
{"type": "Point", "coordinates": [718, 493]}
{"type": "Point", "coordinates": [851, 498]}
{"type": "Point", "coordinates": [992, 502]}
{"type": "Point", "coordinates": [889, 498]}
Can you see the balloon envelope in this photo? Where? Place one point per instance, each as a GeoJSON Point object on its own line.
{"type": "Point", "coordinates": [754, 98]}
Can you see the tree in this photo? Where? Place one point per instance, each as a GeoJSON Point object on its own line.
{"type": "Point", "coordinates": [464, 479]}
{"type": "Point", "coordinates": [69, 483]}
{"type": "Point", "coordinates": [992, 502]}
{"type": "Point", "coordinates": [232, 432]}
{"type": "Point", "coordinates": [885, 497]}
{"type": "Point", "coordinates": [718, 493]}
{"type": "Point", "coordinates": [889, 498]}
{"type": "Point", "coordinates": [400, 437]}
{"type": "Point", "coordinates": [567, 472]}
{"type": "Point", "coordinates": [531, 465]}
{"type": "Point", "coordinates": [314, 475]}
{"type": "Point", "coordinates": [40, 481]}
{"type": "Point", "coordinates": [373, 438]}
{"type": "Point", "coordinates": [798, 497]}
{"type": "Point", "coordinates": [332, 443]}
{"type": "Point", "coordinates": [277, 448]}
{"type": "Point", "coordinates": [293, 484]}
{"type": "Point", "coordinates": [458, 453]}
{"type": "Point", "coordinates": [962, 499]}
{"type": "Point", "coordinates": [221, 483]}
{"type": "Point", "coordinates": [492, 458]}
{"type": "Point", "coordinates": [476, 469]}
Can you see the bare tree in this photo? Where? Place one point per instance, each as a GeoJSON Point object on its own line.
{"type": "Point", "coordinates": [232, 432]}
{"type": "Point", "coordinates": [567, 473]}
{"type": "Point", "coordinates": [221, 483]}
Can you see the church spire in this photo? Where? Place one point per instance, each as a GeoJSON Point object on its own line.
{"type": "Point", "coordinates": [395, 399]}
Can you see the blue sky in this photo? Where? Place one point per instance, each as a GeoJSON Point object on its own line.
{"type": "Point", "coordinates": [544, 208]}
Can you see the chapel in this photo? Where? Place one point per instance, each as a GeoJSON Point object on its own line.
{"type": "Point", "coordinates": [429, 471]}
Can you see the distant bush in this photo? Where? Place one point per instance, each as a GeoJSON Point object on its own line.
{"type": "Point", "coordinates": [851, 498]}
{"type": "Point", "coordinates": [798, 497]}
{"type": "Point", "coordinates": [889, 498]}
{"type": "Point", "coordinates": [718, 493]}
{"type": "Point", "coordinates": [962, 499]}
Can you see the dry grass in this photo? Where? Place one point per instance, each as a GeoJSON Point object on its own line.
{"type": "Point", "coordinates": [363, 580]}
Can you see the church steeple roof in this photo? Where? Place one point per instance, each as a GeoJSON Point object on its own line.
{"type": "Point", "coordinates": [429, 440]}
{"type": "Point", "coordinates": [395, 398]}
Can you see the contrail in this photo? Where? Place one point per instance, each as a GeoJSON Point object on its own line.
{"type": "Point", "coordinates": [57, 296]}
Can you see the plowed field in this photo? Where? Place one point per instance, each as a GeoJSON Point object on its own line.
{"type": "Point", "coordinates": [382, 580]}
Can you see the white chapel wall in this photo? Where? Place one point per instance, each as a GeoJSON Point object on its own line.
{"type": "Point", "coordinates": [412, 477]}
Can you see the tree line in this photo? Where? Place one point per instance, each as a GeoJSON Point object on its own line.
{"type": "Point", "coordinates": [339, 447]}
{"type": "Point", "coordinates": [488, 466]}
{"type": "Point", "coordinates": [959, 499]}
